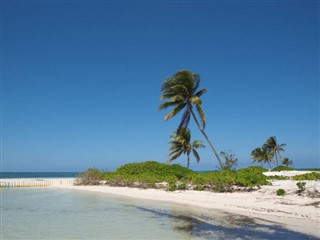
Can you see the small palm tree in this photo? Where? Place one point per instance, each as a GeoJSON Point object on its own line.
{"type": "Point", "coordinates": [262, 155]}
{"type": "Point", "coordinates": [256, 155]}
{"type": "Point", "coordinates": [181, 92]}
{"type": "Point", "coordinates": [181, 144]}
{"type": "Point", "coordinates": [287, 162]}
{"type": "Point", "coordinates": [273, 146]}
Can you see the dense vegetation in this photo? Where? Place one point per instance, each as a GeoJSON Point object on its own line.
{"type": "Point", "coordinates": [282, 168]}
{"type": "Point", "coordinates": [306, 176]}
{"type": "Point", "coordinates": [91, 176]}
{"type": "Point", "coordinates": [153, 174]}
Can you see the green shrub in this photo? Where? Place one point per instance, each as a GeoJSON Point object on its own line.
{"type": "Point", "coordinates": [199, 187]}
{"type": "Point", "coordinates": [200, 178]}
{"type": "Point", "coordinates": [180, 172]}
{"type": "Point", "coordinates": [307, 176]}
{"type": "Point", "coordinates": [92, 176]}
{"type": "Point", "coordinates": [182, 186]}
{"type": "Point", "coordinates": [278, 177]}
{"type": "Point", "coordinates": [282, 168]}
{"type": "Point", "coordinates": [257, 169]}
{"type": "Point", "coordinates": [147, 174]}
{"type": "Point", "coordinates": [153, 168]}
{"type": "Point", "coordinates": [281, 192]}
{"type": "Point", "coordinates": [172, 187]}
{"type": "Point", "coordinates": [150, 173]}
{"type": "Point", "coordinates": [225, 179]}
{"type": "Point", "coordinates": [221, 187]}
{"type": "Point", "coordinates": [126, 180]}
{"type": "Point", "coordinates": [150, 167]}
{"type": "Point", "coordinates": [251, 177]}
{"type": "Point", "coordinates": [301, 186]}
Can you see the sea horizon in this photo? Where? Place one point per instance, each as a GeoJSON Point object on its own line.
{"type": "Point", "coordinates": [4, 175]}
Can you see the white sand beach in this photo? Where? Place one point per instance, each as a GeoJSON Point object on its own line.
{"type": "Point", "coordinates": [298, 213]}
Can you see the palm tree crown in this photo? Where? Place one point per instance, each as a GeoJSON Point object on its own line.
{"type": "Point", "coordinates": [181, 92]}
{"type": "Point", "coordinates": [273, 146]}
{"type": "Point", "coordinates": [262, 155]}
{"type": "Point", "coordinates": [287, 162]}
{"type": "Point", "coordinates": [181, 144]}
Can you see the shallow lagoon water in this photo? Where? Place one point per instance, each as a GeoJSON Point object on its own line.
{"type": "Point", "coordinates": [48, 213]}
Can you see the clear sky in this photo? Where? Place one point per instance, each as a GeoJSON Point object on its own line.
{"type": "Point", "coordinates": [81, 80]}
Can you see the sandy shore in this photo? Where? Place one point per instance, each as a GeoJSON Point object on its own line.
{"type": "Point", "coordinates": [298, 213]}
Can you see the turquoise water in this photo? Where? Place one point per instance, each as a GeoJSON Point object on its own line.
{"type": "Point", "coordinates": [39, 174]}
{"type": "Point", "coordinates": [47, 213]}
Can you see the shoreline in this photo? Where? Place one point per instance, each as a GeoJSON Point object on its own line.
{"type": "Point", "coordinates": [297, 213]}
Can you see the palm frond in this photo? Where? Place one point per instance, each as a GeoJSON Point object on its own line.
{"type": "Point", "coordinates": [198, 144]}
{"type": "Point", "coordinates": [196, 78]}
{"type": "Point", "coordinates": [172, 96]}
{"type": "Point", "coordinates": [195, 100]}
{"type": "Point", "coordinates": [181, 144]}
{"type": "Point", "coordinates": [180, 89]}
{"type": "Point", "coordinates": [167, 104]}
{"type": "Point", "coordinates": [196, 155]}
{"type": "Point", "coordinates": [175, 145]}
{"type": "Point", "coordinates": [174, 111]}
{"type": "Point", "coordinates": [257, 155]}
{"type": "Point", "coordinates": [177, 98]}
{"type": "Point", "coordinates": [184, 135]}
{"type": "Point", "coordinates": [175, 156]}
{"type": "Point", "coordinates": [168, 83]}
{"type": "Point", "coordinates": [175, 150]}
{"type": "Point", "coordinates": [201, 92]}
{"type": "Point", "coordinates": [201, 114]}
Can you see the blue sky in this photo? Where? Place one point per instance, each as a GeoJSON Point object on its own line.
{"type": "Point", "coordinates": [81, 80]}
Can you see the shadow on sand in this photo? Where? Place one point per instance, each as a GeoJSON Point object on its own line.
{"type": "Point", "coordinates": [229, 227]}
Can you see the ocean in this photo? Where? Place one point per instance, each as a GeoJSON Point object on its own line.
{"type": "Point", "coordinates": [39, 174]}
{"type": "Point", "coordinates": [52, 213]}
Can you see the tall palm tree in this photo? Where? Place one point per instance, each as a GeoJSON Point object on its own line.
{"type": "Point", "coordinates": [273, 146]}
{"type": "Point", "coordinates": [181, 92]}
{"type": "Point", "coordinates": [262, 155]}
{"type": "Point", "coordinates": [181, 144]}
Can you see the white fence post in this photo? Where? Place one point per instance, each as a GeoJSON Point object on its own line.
{"type": "Point", "coordinates": [35, 182]}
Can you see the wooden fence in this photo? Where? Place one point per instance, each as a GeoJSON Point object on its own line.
{"type": "Point", "coordinates": [39, 182]}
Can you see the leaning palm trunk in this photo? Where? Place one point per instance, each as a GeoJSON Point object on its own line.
{"type": "Point", "coordinates": [277, 159]}
{"type": "Point", "coordinates": [188, 162]}
{"type": "Point", "coordinates": [269, 165]}
{"type": "Point", "coordinates": [280, 158]}
{"type": "Point", "coordinates": [210, 143]}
